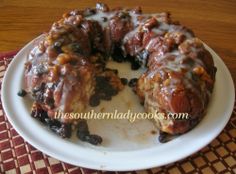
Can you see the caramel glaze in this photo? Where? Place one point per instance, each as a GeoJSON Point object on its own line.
{"type": "Point", "coordinates": [180, 71]}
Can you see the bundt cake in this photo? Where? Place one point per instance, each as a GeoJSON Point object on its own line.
{"type": "Point", "coordinates": [64, 70]}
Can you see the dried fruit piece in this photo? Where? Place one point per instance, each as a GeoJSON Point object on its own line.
{"type": "Point", "coordinates": [22, 93]}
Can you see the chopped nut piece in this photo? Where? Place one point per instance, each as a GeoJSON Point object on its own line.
{"type": "Point", "coordinates": [166, 82]}
{"type": "Point", "coordinates": [63, 58]}
{"type": "Point", "coordinates": [199, 70]}
{"type": "Point", "coordinates": [150, 24]}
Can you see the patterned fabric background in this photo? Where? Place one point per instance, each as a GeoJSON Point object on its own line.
{"type": "Point", "coordinates": [18, 156]}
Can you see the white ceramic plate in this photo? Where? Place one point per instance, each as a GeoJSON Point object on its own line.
{"type": "Point", "coordinates": [126, 146]}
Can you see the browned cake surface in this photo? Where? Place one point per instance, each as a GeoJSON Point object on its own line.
{"type": "Point", "coordinates": [61, 71]}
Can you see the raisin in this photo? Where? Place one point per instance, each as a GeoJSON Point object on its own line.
{"type": "Point", "coordinates": [52, 122]}
{"type": "Point", "coordinates": [83, 127]}
{"type": "Point", "coordinates": [94, 139]}
{"type": "Point", "coordinates": [103, 90]}
{"type": "Point", "coordinates": [57, 46]}
{"type": "Point", "coordinates": [104, 96]}
{"type": "Point", "coordinates": [65, 130]}
{"type": "Point", "coordinates": [104, 19]}
{"type": "Point", "coordinates": [62, 129]}
{"type": "Point", "coordinates": [133, 82]}
{"type": "Point", "coordinates": [84, 135]}
{"type": "Point", "coordinates": [94, 100]}
{"type": "Point", "coordinates": [22, 93]}
{"type": "Point", "coordinates": [83, 130]}
{"type": "Point", "coordinates": [54, 128]}
{"type": "Point", "coordinates": [135, 65]}
{"type": "Point", "coordinates": [111, 91]}
{"type": "Point", "coordinates": [117, 55]}
{"type": "Point", "coordinates": [124, 81]}
{"type": "Point", "coordinates": [165, 137]}
{"type": "Point", "coordinates": [39, 114]}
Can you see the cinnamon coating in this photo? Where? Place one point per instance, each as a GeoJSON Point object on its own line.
{"type": "Point", "coordinates": [180, 71]}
